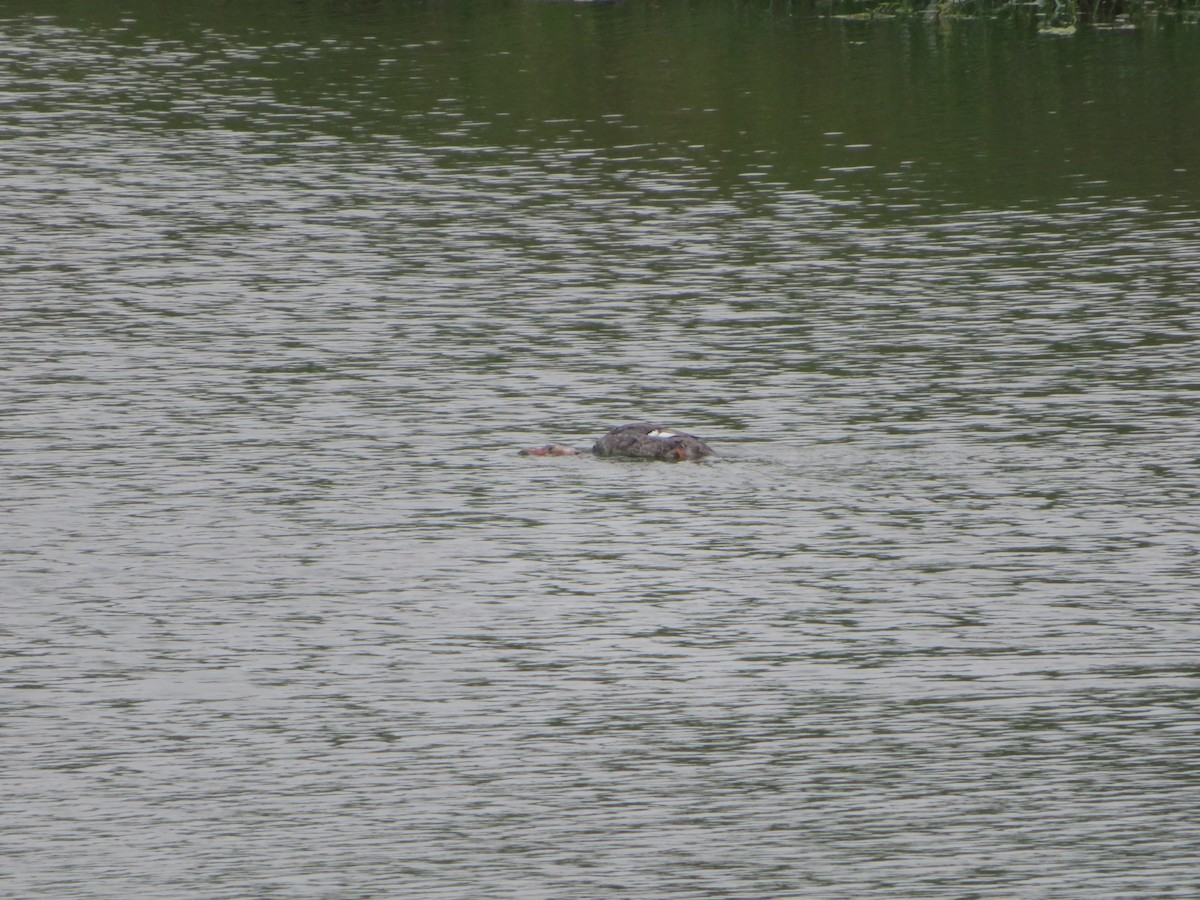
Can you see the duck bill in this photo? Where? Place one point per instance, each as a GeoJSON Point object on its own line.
{"type": "Point", "coordinates": [551, 450]}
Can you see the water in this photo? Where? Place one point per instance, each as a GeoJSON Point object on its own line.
{"type": "Point", "coordinates": [284, 613]}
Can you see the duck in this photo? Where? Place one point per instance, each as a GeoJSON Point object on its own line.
{"type": "Point", "coordinates": [640, 440]}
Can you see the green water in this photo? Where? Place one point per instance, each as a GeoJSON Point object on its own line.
{"type": "Point", "coordinates": [977, 111]}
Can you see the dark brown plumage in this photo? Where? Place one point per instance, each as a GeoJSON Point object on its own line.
{"type": "Point", "coordinates": [641, 440]}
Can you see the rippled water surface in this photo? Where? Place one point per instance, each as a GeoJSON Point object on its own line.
{"type": "Point", "coordinates": [285, 614]}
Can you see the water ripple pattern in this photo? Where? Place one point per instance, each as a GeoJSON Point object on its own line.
{"type": "Point", "coordinates": [285, 615]}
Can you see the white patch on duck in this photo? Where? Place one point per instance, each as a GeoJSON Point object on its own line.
{"type": "Point", "coordinates": [661, 434]}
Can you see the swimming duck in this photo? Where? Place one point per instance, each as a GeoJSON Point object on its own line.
{"type": "Point", "coordinates": [640, 440]}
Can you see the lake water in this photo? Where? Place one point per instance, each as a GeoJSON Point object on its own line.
{"type": "Point", "coordinates": [285, 615]}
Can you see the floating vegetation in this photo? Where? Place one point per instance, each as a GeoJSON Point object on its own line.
{"type": "Point", "coordinates": [1052, 17]}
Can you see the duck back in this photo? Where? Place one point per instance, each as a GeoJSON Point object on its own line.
{"type": "Point", "coordinates": [644, 440]}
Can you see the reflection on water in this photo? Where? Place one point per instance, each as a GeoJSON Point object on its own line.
{"type": "Point", "coordinates": [285, 613]}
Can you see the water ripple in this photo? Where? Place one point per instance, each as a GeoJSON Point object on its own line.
{"type": "Point", "coordinates": [285, 615]}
